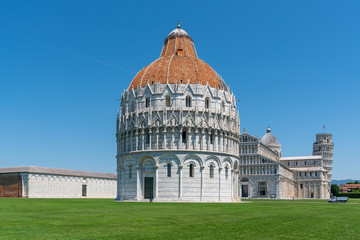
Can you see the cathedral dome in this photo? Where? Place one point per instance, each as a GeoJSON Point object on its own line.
{"type": "Point", "coordinates": [269, 139]}
{"type": "Point", "coordinates": [178, 64]}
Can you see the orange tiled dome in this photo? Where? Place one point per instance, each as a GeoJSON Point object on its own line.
{"type": "Point", "coordinates": [178, 63]}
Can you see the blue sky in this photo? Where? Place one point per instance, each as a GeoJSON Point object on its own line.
{"type": "Point", "coordinates": [63, 64]}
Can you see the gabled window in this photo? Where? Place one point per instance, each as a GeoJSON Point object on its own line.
{"type": "Point", "coordinates": [207, 103]}
{"type": "Point", "coordinates": [169, 169]}
{"type": "Point", "coordinates": [147, 102]}
{"type": "Point", "coordinates": [211, 171]}
{"type": "Point", "coordinates": [168, 101]}
{"type": "Point", "coordinates": [191, 170]}
{"type": "Point", "coordinates": [188, 101]}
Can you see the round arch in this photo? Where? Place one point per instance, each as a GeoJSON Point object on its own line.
{"type": "Point", "coordinates": [193, 157]}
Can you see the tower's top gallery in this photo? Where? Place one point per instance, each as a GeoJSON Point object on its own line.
{"type": "Point", "coordinates": [178, 64]}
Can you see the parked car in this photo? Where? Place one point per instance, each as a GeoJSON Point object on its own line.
{"type": "Point", "coordinates": [338, 199]}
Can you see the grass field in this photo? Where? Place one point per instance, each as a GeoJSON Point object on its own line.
{"type": "Point", "coordinates": [106, 219]}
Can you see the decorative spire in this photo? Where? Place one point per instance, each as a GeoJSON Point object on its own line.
{"type": "Point", "coordinates": [178, 26]}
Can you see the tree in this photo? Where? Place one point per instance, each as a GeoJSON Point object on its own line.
{"type": "Point", "coordinates": [335, 189]}
{"type": "Point", "coordinates": [350, 183]}
{"type": "Point", "coordinates": [356, 182]}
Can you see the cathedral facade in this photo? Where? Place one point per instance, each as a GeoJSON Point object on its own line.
{"type": "Point", "coordinates": [178, 139]}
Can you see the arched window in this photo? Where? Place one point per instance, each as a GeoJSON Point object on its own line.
{"type": "Point", "coordinates": [130, 171]}
{"type": "Point", "coordinates": [301, 186]}
{"type": "Point", "coordinates": [300, 174]}
{"type": "Point", "coordinates": [226, 172]}
{"type": "Point", "coordinates": [184, 136]}
{"type": "Point", "coordinates": [207, 103]}
{"type": "Point", "coordinates": [188, 101]}
{"type": "Point", "coordinates": [169, 169]}
{"type": "Point", "coordinates": [223, 106]}
{"type": "Point", "coordinates": [191, 170]}
{"type": "Point", "coordinates": [147, 138]}
{"type": "Point", "coordinates": [211, 171]}
{"type": "Point", "coordinates": [168, 101]}
{"type": "Point", "coordinates": [147, 102]}
{"type": "Point", "coordinates": [211, 138]}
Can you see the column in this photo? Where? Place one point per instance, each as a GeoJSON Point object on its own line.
{"type": "Point", "coordinates": [231, 185]}
{"type": "Point", "coordinates": [150, 139]}
{"type": "Point", "coordinates": [172, 138]}
{"type": "Point", "coordinates": [156, 182]}
{"type": "Point", "coordinates": [138, 183]}
{"type": "Point", "coordinates": [188, 138]}
{"type": "Point", "coordinates": [180, 182]}
{"type": "Point", "coordinates": [216, 141]}
{"type": "Point", "coordinates": [220, 184]}
{"type": "Point", "coordinates": [202, 182]}
{"type": "Point", "coordinates": [143, 142]}
{"type": "Point", "coordinates": [196, 139]}
{"type": "Point", "coordinates": [202, 139]}
{"type": "Point", "coordinates": [157, 138]}
{"type": "Point", "coordinates": [136, 140]}
{"type": "Point", "coordinates": [164, 142]}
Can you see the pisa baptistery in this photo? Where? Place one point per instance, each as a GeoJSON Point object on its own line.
{"type": "Point", "coordinates": [178, 130]}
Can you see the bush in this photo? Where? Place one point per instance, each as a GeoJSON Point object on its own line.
{"type": "Point", "coordinates": [350, 195]}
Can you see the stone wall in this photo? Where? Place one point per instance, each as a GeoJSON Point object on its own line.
{"type": "Point", "coordinates": [60, 186]}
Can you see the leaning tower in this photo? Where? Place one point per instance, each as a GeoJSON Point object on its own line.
{"type": "Point", "coordinates": [325, 147]}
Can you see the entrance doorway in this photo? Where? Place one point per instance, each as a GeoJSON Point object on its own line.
{"type": "Point", "coordinates": [312, 195]}
{"type": "Point", "coordinates": [244, 190]}
{"type": "Point", "coordinates": [149, 187]}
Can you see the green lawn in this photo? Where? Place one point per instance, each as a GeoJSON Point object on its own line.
{"type": "Point", "coordinates": [106, 219]}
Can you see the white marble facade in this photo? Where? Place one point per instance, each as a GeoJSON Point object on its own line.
{"type": "Point", "coordinates": [41, 185]}
{"type": "Point", "coordinates": [195, 132]}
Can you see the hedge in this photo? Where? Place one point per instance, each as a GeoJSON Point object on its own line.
{"type": "Point", "coordinates": [350, 195]}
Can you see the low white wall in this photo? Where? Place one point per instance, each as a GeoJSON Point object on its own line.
{"type": "Point", "coordinates": [61, 186]}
